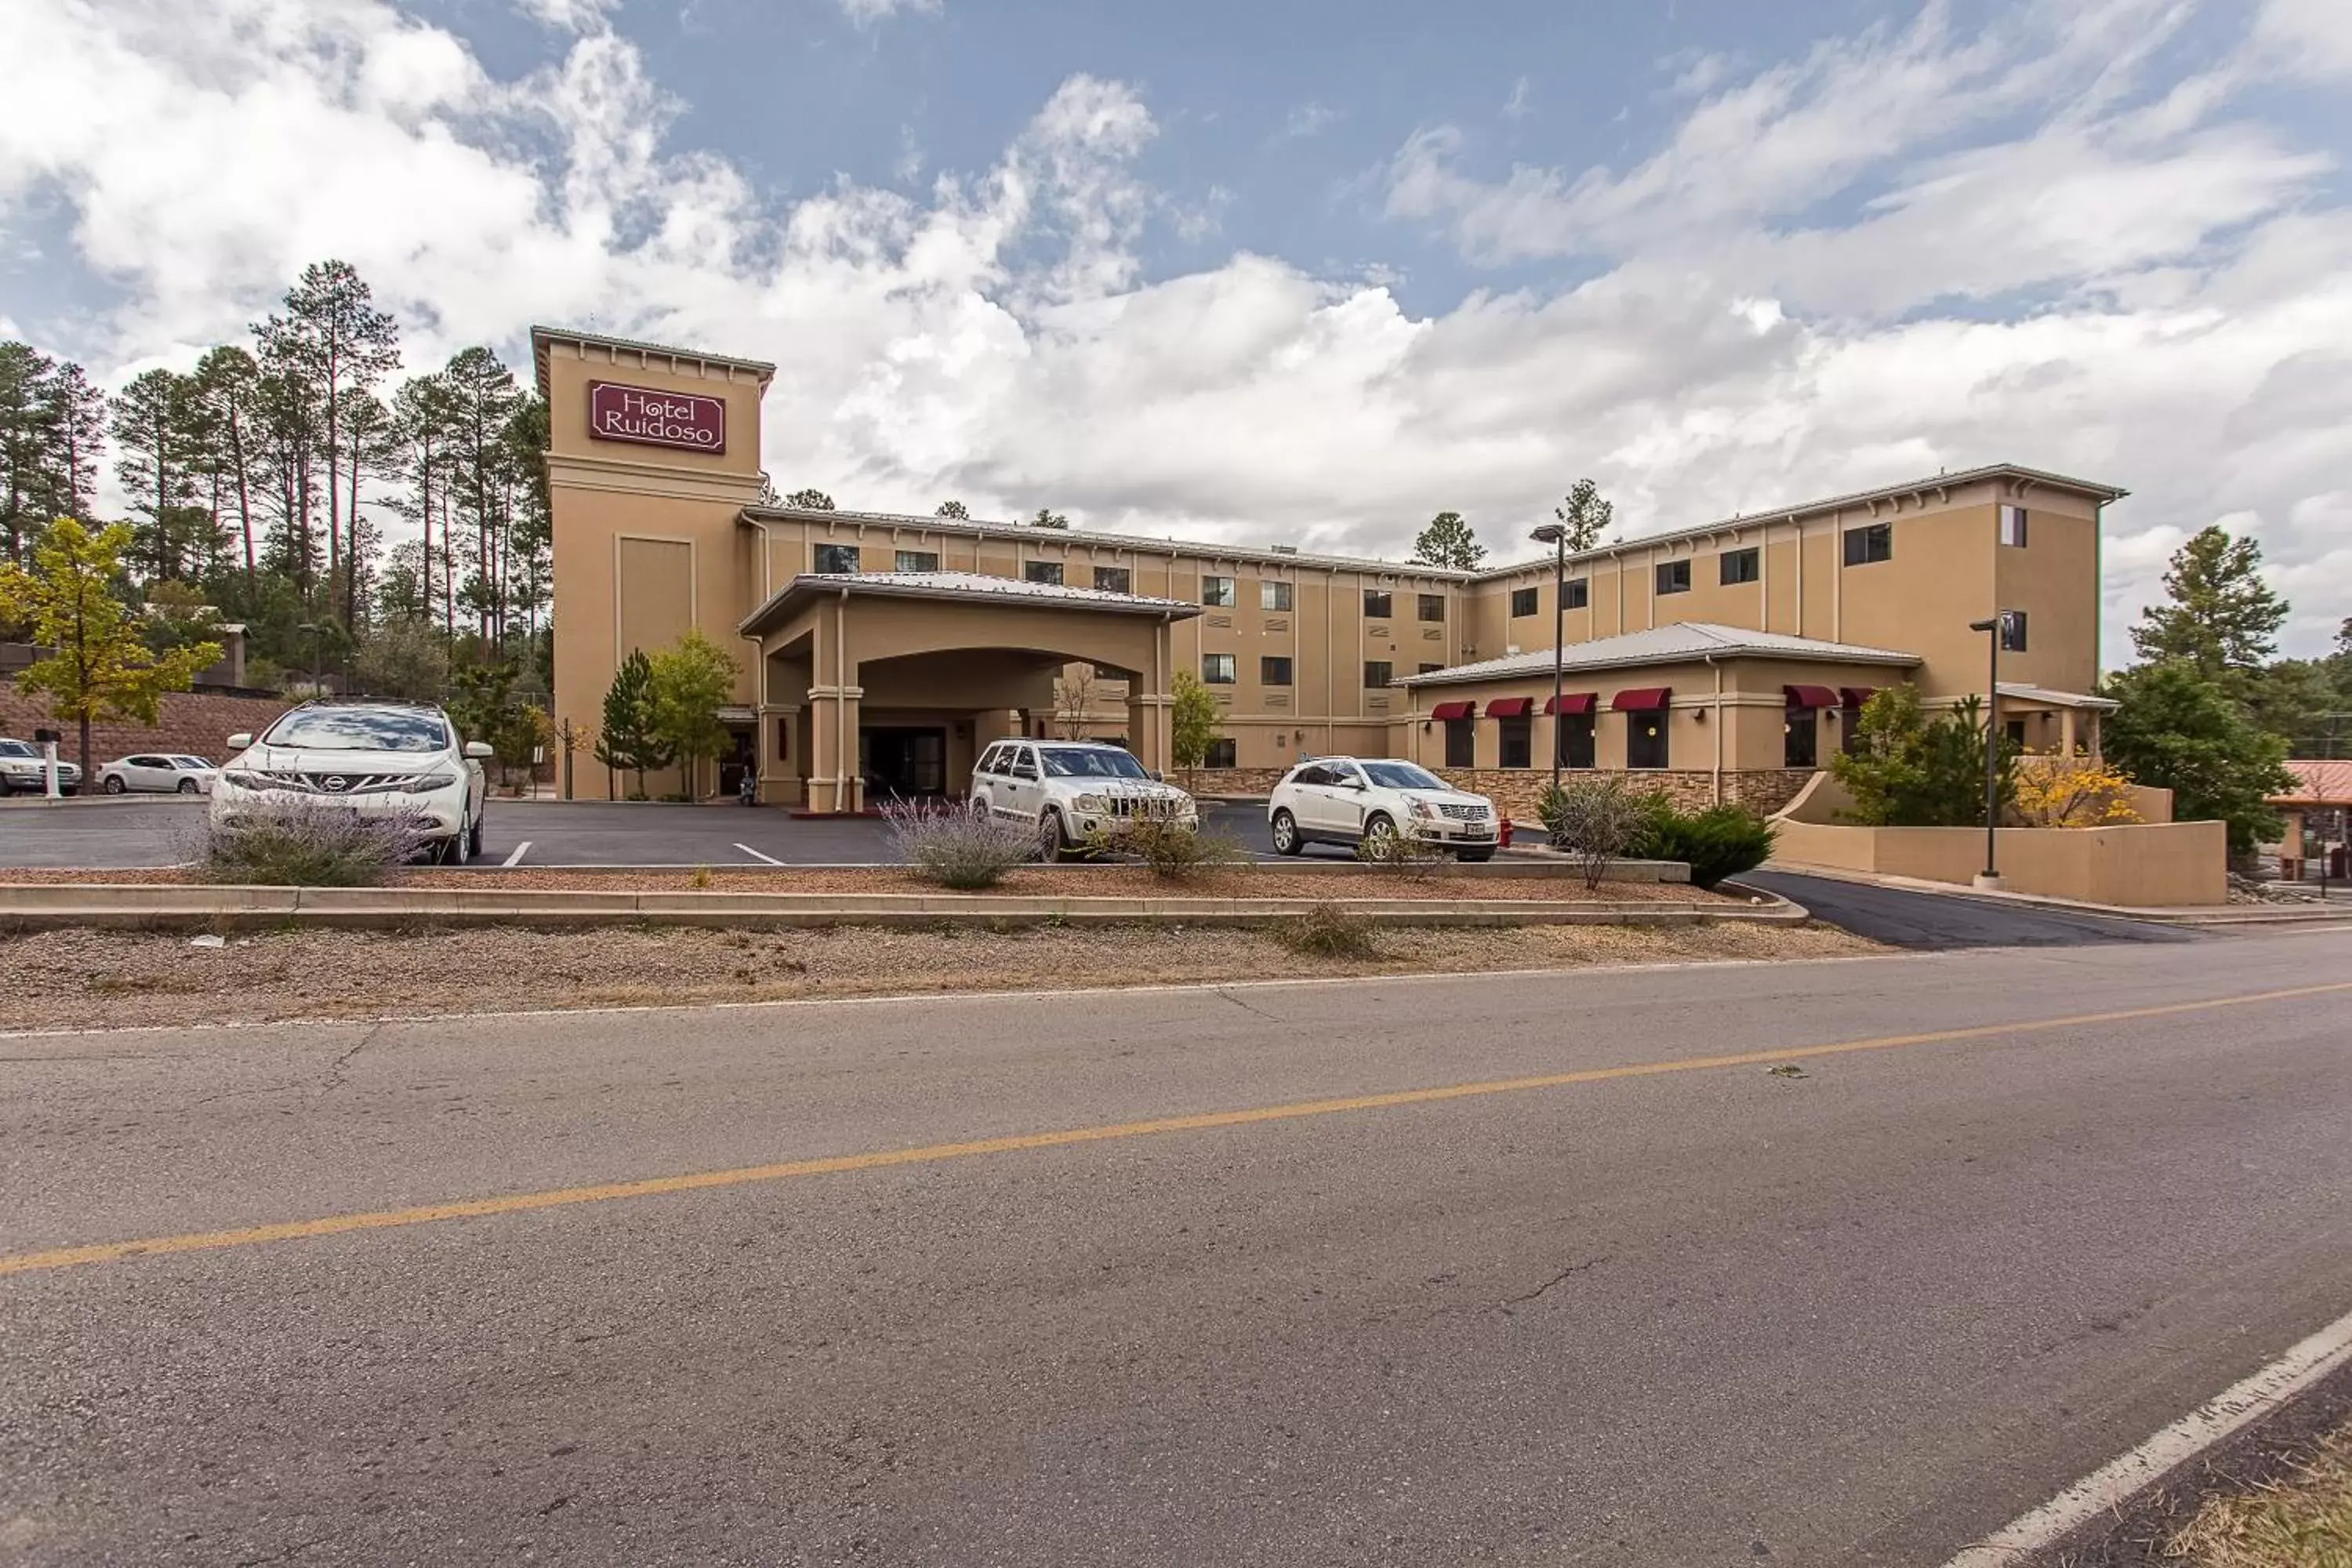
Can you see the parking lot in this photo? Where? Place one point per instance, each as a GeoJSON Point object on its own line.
{"type": "Point", "coordinates": [119, 834]}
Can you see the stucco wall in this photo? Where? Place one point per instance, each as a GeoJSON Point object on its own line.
{"type": "Point", "coordinates": [2152, 866]}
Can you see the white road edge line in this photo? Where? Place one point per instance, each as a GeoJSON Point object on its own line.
{"type": "Point", "coordinates": [2219, 1418]}
{"type": "Point", "coordinates": [755, 855]}
{"type": "Point", "coordinates": [520, 851]}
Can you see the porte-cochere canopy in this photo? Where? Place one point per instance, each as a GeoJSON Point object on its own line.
{"type": "Point", "coordinates": [890, 682]}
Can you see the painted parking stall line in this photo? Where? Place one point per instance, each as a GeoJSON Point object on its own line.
{"type": "Point", "coordinates": [520, 850]}
{"type": "Point", "coordinates": [754, 854]}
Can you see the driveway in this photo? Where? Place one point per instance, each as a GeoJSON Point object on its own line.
{"type": "Point", "coordinates": [1903, 919]}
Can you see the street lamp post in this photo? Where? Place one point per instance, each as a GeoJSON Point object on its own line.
{"type": "Point", "coordinates": [1992, 628]}
{"type": "Point", "coordinates": [1555, 536]}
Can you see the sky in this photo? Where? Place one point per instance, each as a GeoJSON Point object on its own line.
{"type": "Point", "coordinates": [1292, 271]}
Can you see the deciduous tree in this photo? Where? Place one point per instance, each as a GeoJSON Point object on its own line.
{"type": "Point", "coordinates": [2179, 730]}
{"type": "Point", "coordinates": [1192, 720]}
{"type": "Point", "coordinates": [692, 679]}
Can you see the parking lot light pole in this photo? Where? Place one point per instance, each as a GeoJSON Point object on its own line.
{"type": "Point", "coordinates": [1993, 627]}
{"type": "Point", "coordinates": [1555, 536]}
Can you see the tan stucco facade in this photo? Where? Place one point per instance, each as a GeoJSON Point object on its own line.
{"type": "Point", "coordinates": [1300, 649]}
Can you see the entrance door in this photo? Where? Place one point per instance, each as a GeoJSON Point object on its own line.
{"type": "Point", "coordinates": [903, 763]}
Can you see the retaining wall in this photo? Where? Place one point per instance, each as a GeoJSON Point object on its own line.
{"type": "Point", "coordinates": [196, 722]}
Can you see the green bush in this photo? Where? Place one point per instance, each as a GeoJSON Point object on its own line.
{"type": "Point", "coordinates": [1325, 930]}
{"type": "Point", "coordinates": [1721, 841]}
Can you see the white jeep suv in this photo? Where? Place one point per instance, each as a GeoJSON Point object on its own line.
{"type": "Point", "coordinates": [1353, 800]}
{"type": "Point", "coordinates": [1071, 789]}
{"type": "Point", "coordinates": [369, 756]}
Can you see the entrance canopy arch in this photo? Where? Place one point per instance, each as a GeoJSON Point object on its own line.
{"type": "Point", "coordinates": [891, 679]}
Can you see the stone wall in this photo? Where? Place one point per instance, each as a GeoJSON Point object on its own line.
{"type": "Point", "coordinates": [196, 722]}
{"type": "Point", "coordinates": [1515, 791]}
{"type": "Point", "coordinates": [1257, 783]}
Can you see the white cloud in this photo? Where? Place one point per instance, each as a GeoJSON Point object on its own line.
{"type": "Point", "coordinates": [995, 336]}
{"type": "Point", "coordinates": [1516, 106]}
{"type": "Point", "coordinates": [1309, 118]}
{"type": "Point", "coordinates": [2306, 37]}
{"type": "Point", "coordinates": [870, 13]}
{"type": "Point", "coordinates": [571, 15]}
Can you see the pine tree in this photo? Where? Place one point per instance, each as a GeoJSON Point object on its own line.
{"type": "Point", "coordinates": [225, 389]}
{"type": "Point", "coordinates": [627, 741]}
{"type": "Point", "coordinates": [483, 401]}
{"type": "Point", "coordinates": [2222, 614]}
{"type": "Point", "coordinates": [810, 500]}
{"type": "Point", "coordinates": [1584, 514]}
{"type": "Point", "coordinates": [332, 337]}
{"type": "Point", "coordinates": [24, 445]}
{"type": "Point", "coordinates": [953, 509]}
{"type": "Point", "coordinates": [1448, 542]}
{"type": "Point", "coordinates": [153, 427]}
{"type": "Point", "coordinates": [1048, 518]}
{"type": "Point", "coordinates": [75, 414]}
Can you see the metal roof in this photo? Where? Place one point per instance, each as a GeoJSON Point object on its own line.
{"type": "Point", "coordinates": [1681, 643]}
{"type": "Point", "coordinates": [966, 588]}
{"type": "Point", "coordinates": [2024, 693]}
{"type": "Point", "coordinates": [542, 336]}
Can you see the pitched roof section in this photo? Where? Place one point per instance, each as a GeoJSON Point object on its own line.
{"type": "Point", "coordinates": [1681, 643]}
{"type": "Point", "coordinates": [540, 337]}
{"type": "Point", "coordinates": [2317, 784]}
{"type": "Point", "coordinates": [964, 587]}
{"type": "Point", "coordinates": [1213, 548]}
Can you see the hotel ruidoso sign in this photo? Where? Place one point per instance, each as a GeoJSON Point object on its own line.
{"type": "Point", "coordinates": [639, 413]}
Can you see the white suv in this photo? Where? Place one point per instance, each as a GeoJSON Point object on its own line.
{"type": "Point", "coordinates": [1069, 789]}
{"type": "Point", "coordinates": [1355, 800]}
{"type": "Point", "coordinates": [370, 756]}
{"type": "Point", "coordinates": [22, 767]}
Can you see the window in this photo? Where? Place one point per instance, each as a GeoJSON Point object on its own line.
{"type": "Point", "coordinates": [1673, 576]}
{"type": "Point", "coordinates": [1523, 602]}
{"type": "Point", "coordinates": [1021, 763]}
{"type": "Point", "coordinates": [1873, 543]}
{"type": "Point", "coordinates": [1575, 593]}
{"type": "Point", "coordinates": [1645, 738]}
{"type": "Point", "coordinates": [1801, 746]}
{"type": "Point", "coordinates": [836, 560]}
{"type": "Point", "coordinates": [1273, 596]}
{"type": "Point", "coordinates": [1376, 605]}
{"type": "Point", "coordinates": [1461, 743]}
{"type": "Point", "coordinates": [1115, 579]}
{"type": "Point", "coordinates": [2016, 731]}
{"type": "Point", "coordinates": [1433, 606]}
{"type": "Point", "coordinates": [1742, 565]}
{"type": "Point", "coordinates": [1378, 672]}
{"type": "Point", "coordinates": [1272, 671]}
{"type": "Point", "coordinates": [1109, 672]}
{"type": "Point", "coordinates": [1312, 773]}
{"type": "Point", "coordinates": [1217, 668]}
{"type": "Point", "coordinates": [1518, 741]}
{"type": "Point", "coordinates": [1049, 572]}
{"type": "Point", "coordinates": [1222, 754]}
{"type": "Point", "coordinates": [1218, 590]}
{"type": "Point", "coordinates": [2013, 631]}
{"type": "Point", "coordinates": [917, 560]}
{"type": "Point", "coordinates": [1430, 668]}
{"type": "Point", "coordinates": [2013, 525]}
{"type": "Point", "coordinates": [1576, 740]}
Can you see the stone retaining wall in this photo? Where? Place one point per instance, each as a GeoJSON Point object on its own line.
{"type": "Point", "coordinates": [1515, 791]}
{"type": "Point", "coordinates": [196, 722]}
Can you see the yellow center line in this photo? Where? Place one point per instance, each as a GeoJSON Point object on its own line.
{"type": "Point", "coordinates": [699, 1181]}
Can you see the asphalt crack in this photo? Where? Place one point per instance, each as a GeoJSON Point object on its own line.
{"type": "Point", "coordinates": [1571, 1272]}
{"type": "Point", "coordinates": [1247, 1008]}
{"type": "Point", "coordinates": [335, 1069]}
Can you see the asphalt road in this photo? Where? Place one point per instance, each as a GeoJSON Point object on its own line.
{"type": "Point", "coordinates": [1901, 918]}
{"type": "Point", "coordinates": [1667, 1310]}
{"type": "Point", "coordinates": [160, 831]}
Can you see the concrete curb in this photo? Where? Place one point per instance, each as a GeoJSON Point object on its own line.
{"type": "Point", "coordinates": [159, 906]}
{"type": "Point", "coordinates": [2203, 915]}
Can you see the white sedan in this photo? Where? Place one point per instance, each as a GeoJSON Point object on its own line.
{"type": "Point", "coordinates": [1354, 800]}
{"type": "Point", "coordinates": [164, 773]}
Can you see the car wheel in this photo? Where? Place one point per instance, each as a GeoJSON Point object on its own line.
{"type": "Point", "coordinates": [114, 785]}
{"type": "Point", "coordinates": [1053, 844]}
{"type": "Point", "coordinates": [474, 839]}
{"type": "Point", "coordinates": [1285, 833]}
{"type": "Point", "coordinates": [187, 786]}
{"type": "Point", "coordinates": [1378, 832]}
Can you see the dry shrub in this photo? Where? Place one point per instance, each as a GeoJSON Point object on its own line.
{"type": "Point", "coordinates": [1326, 930]}
{"type": "Point", "coordinates": [300, 842]}
{"type": "Point", "coordinates": [957, 847]}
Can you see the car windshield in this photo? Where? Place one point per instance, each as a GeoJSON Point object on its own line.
{"type": "Point", "coordinates": [192, 762]}
{"type": "Point", "coordinates": [1104, 763]}
{"type": "Point", "coordinates": [16, 749]}
{"type": "Point", "coordinates": [1403, 775]}
{"type": "Point", "coordinates": [359, 730]}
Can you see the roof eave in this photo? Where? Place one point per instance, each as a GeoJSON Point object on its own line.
{"type": "Point", "coordinates": [1470, 675]}
{"type": "Point", "coordinates": [813, 587]}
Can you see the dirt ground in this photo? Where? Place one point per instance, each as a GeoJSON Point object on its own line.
{"type": "Point", "coordinates": [1067, 881]}
{"type": "Point", "coordinates": [88, 979]}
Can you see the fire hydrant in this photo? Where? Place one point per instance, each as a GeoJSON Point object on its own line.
{"type": "Point", "coordinates": [1506, 840]}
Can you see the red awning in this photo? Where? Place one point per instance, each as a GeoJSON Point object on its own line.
{"type": "Point", "coordinates": [1641, 699]}
{"type": "Point", "coordinates": [1856, 696]}
{"type": "Point", "coordinates": [1810, 696]}
{"type": "Point", "coordinates": [1509, 706]}
{"type": "Point", "coordinates": [1449, 711]}
{"type": "Point", "coordinates": [1571, 702]}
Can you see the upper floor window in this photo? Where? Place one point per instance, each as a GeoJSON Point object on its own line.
{"type": "Point", "coordinates": [1044, 571]}
{"type": "Point", "coordinates": [1273, 671]}
{"type": "Point", "coordinates": [1431, 669]}
{"type": "Point", "coordinates": [2013, 525]}
{"type": "Point", "coordinates": [1376, 604]}
{"type": "Point", "coordinates": [1742, 565]}
{"type": "Point", "coordinates": [1377, 673]}
{"type": "Point", "coordinates": [1576, 593]}
{"type": "Point", "coordinates": [834, 559]}
{"type": "Point", "coordinates": [1673, 576]}
{"type": "Point", "coordinates": [918, 561]}
{"type": "Point", "coordinates": [1523, 602]}
{"type": "Point", "coordinates": [1872, 541]}
{"type": "Point", "coordinates": [1218, 590]}
{"type": "Point", "coordinates": [2013, 631]}
{"type": "Point", "coordinates": [1433, 606]}
{"type": "Point", "coordinates": [1114, 579]}
{"type": "Point", "coordinates": [1217, 668]}
{"type": "Point", "coordinates": [1272, 595]}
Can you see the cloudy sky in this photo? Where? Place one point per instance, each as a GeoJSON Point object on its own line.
{"type": "Point", "coordinates": [1290, 269]}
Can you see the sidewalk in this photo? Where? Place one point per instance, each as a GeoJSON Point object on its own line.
{"type": "Point", "coordinates": [2327, 913]}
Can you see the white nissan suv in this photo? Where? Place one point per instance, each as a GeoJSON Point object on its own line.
{"type": "Point", "coordinates": [369, 756]}
{"type": "Point", "coordinates": [1351, 800]}
{"type": "Point", "coordinates": [1070, 789]}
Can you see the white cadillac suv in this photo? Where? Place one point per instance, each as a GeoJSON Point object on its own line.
{"type": "Point", "coordinates": [1351, 800]}
{"type": "Point", "coordinates": [369, 756]}
{"type": "Point", "coordinates": [1071, 789]}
